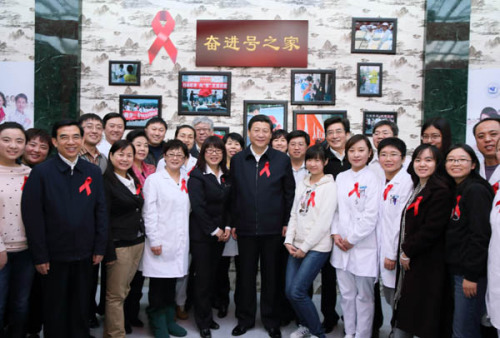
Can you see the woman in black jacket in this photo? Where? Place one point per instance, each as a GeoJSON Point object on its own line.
{"type": "Point", "coordinates": [467, 239]}
{"type": "Point", "coordinates": [126, 232]}
{"type": "Point", "coordinates": [208, 192]}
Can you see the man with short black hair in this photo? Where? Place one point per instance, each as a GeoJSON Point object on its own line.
{"type": "Point", "coordinates": [92, 135]}
{"type": "Point", "coordinates": [114, 127]}
{"type": "Point", "coordinates": [156, 128]}
{"type": "Point", "coordinates": [298, 142]}
{"type": "Point", "coordinates": [487, 133]}
{"type": "Point", "coordinates": [381, 130]}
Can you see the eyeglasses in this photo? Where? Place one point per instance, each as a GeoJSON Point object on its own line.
{"type": "Point", "coordinates": [213, 151]}
{"type": "Point", "coordinates": [384, 133]}
{"type": "Point", "coordinates": [432, 137]}
{"type": "Point", "coordinates": [386, 155]}
{"type": "Point", "coordinates": [457, 160]}
{"type": "Point", "coordinates": [202, 130]}
{"type": "Point", "coordinates": [92, 127]}
{"type": "Point", "coordinates": [179, 156]}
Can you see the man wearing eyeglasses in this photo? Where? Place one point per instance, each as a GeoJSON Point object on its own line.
{"type": "Point", "coordinates": [92, 135]}
{"type": "Point", "coordinates": [204, 128]}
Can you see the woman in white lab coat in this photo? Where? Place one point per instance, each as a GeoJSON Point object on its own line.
{"type": "Point", "coordinates": [166, 217]}
{"type": "Point", "coordinates": [355, 253]}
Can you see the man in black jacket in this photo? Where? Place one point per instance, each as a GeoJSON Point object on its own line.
{"type": "Point", "coordinates": [263, 189]}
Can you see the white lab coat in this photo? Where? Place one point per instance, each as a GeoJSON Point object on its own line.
{"type": "Point", "coordinates": [389, 222]}
{"type": "Point", "coordinates": [493, 291]}
{"type": "Point", "coordinates": [377, 168]}
{"type": "Point", "coordinates": [166, 219]}
{"type": "Point", "coordinates": [186, 167]}
{"type": "Point", "coordinates": [494, 178]}
{"type": "Point", "coordinates": [356, 220]}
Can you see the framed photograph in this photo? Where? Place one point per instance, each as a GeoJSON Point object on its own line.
{"type": "Point", "coordinates": [205, 93]}
{"type": "Point", "coordinates": [138, 109]}
{"type": "Point", "coordinates": [276, 110]}
{"type": "Point", "coordinates": [221, 131]}
{"type": "Point", "coordinates": [369, 79]}
{"type": "Point", "coordinates": [370, 118]}
{"type": "Point", "coordinates": [374, 35]}
{"type": "Point", "coordinates": [124, 73]}
{"type": "Point", "coordinates": [313, 87]}
{"type": "Point", "coordinates": [311, 121]}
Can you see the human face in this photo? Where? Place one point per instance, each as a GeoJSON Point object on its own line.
{"type": "Point", "coordinates": [12, 143]}
{"type": "Point", "coordinates": [358, 155]}
{"type": "Point", "coordinates": [336, 137]}
{"type": "Point", "coordinates": [459, 164]}
{"type": "Point", "coordinates": [174, 159]}
{"type": "Point", "coordinates": [260, 135]}
{"type": "Point", "coordinates": [232, 147]}
{"type": "Point", "coordinates": [424, 165]}
{"type": "Point", "coordinates": [186, 135]}
{"type": "Point", "coordinates": [213, 156]}
{"type": "Point", "coordinates": [122, 160]}
{"type": "Point", "coordinates": [433, 136]}
{"type": "Point", "coordinates": [202, 132]}
{"type": "Point", "coordinates": [36, 151]}
{"type": "Point", "coordinates": [280, 144]}
{"type": "Point", "coordinates": [21, 104]}
{"type": "Point", "coordinates": [141, 148]}
{"type": "Point", "coordinates": [487, 135]}
{"type": "Point", "coordinates": [498, 151]}
{"type": "Point", "coordinates": [381, 133]}
{"type": "Point", "coordinates": [297, 148]}
{"type": "Point", "coordinates": [114, 129]}
{"type": "Point", "coordinates": [156, 133]}
{"type": "Point", "coordinates": [391, 160]}
{"type": "Point", "coordinates": [92, 132]}
{"type": "Point", "coordinates": [68, 142]}
{"type": "Point", "coordinates": [315, 166]}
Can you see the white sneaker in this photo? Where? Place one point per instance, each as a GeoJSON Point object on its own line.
{"type": "Point", "coordinates": [301, 332]}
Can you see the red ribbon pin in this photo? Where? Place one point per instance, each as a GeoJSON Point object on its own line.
{"type": "Point", "coordinates": [497, 204]}
{"type": "Point", "coordinates": [138, 190]}
{"type": "Point", "coordinates": [86, 186]}
{"type": "Point", "coordinates": [495, 187]}
{"type": "Point", "coordinates": [456, 211]}
{"type": "Point", "coordinates": [183, 186]}
{"type": "Point", "coordinates": [386, 191]}
{"type": "Point", "coordinates": [415, 205]}
{"type": "Point", "coordinates": [311, 199]}
{"type": "Point", "coordinates": [162, 32]}
{"type": "Point", "coordinates": [355, 190]}
{"type": "Point", "coordinates": [24, 183]}
{"type": "Point", "coordinates": [265, 170]}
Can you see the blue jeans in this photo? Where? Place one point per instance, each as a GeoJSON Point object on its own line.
{"type": "Point", "coordinates": [300, 274]}
{"type": "Point", "coordinates": [468, 311]}
{"type": "Point", "coordinates": [15, 285]}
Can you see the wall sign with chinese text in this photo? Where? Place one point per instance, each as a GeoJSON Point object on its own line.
{"type": "Point", "coordinates": [252, 43]}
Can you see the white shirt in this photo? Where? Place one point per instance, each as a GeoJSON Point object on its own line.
{"type": "Point", "coordinates": [127, 182]}
{"type": "Point", "coordinates": [337, 154]}
{"type": "Point", "coordinates": [257, 157]}
{"type": "Point", "coordinates": [20, 118]}
{"type": "Point", "coordinates": [71, 164]}
{"type": "Point", "coordinates": [493, 290]}
{"type": "Point", "coordinates": [104, 147]}
{"type": "Point", "coordinates": [300, 173]}
{"type": "Point", "coordinates": [186, 167]}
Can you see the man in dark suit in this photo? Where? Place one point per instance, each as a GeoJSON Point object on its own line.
{"type": "Point", "coordinates": [263, 189]}
{"type": "Point", "coordinates": [64, 212]}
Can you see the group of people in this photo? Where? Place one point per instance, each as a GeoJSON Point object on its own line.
{"type": "Point", "coordinates": [358, 211]}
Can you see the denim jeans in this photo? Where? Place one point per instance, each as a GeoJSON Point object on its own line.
{"type": "Point", "coordinates": [15, 285]}
{"type": "Point", "coordinates": [468, 311]}
{"type": "Point", "coordinates": [300, 274]}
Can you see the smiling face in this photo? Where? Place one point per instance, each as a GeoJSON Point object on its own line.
{"type": "Point", "coordinates": [358, 155]}
{"type": "Point", "coordinates": [459, 164]}
{"type": "Point", "coordinates": [114, 129]}
{"type": "Point", "coordinates": [92, 132]}
{"type": "Point", "coordinates": [68, 142]}
{"type": "Point", "coordinates": [35, 152]}
{"type": "Point", "coordinates": [336, 137]}
{"type": "Point", "coordinates": [315, 166]}
{"type": "Point", "coordinates": [232, 147]}
{"type": "Point", "coordinates": [487, 135]}
{"type": "Point", "coordinates": [391, 160]}
{"type": "Point", "coordinates": [424, 165]}
{"type": "Point", "coordinates": [186, 135]}
{"type": "Point", "coordinates": [260, 134]}
{"type": "Point", "coordinates": [155, 133]}
{"type": "Point", "coordinates": [202, 132]}
{"type": "Point", "coordinates": [21, 104]}
{"type": "Point", "coordinates": [213, 156]}
{"type": "Point", "coordinates": [12, 143]}
{"type": "Point", "coordinates": [141, 148]}
{"type": "Point", "coordinates": [433, 136]}
{"type": "Point", "coordinates": [297, 148]}
{"type": "Point", "coordinates": [174, 159]}
{"type": "Point", "coordinates": [122, 160]}
{"type": "Point", "coordinates": [280, 144]}
{"type": "Point", "coordinates": [381, 133]}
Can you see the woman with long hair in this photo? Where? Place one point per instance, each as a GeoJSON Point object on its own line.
{"type": "Point", "coordinates": [437, 132]}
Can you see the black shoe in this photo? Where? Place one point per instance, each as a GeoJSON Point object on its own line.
{"type": "Point", "coordinates": [375, 333]}
{"type": "Point", "coordinates": [128, 328]}
{"type": "Point", "coordinates": [205, 333]}
{"type": "Point", "coordinates": [274, 333]}
{"type": "Point", "coordinates": [328, 326]}
{"type": "Point", "coordinates": [222, 311]}
{"type": "Point", "coordinates": [239, 330]}
{"type": "Point", "coordinates": [93, 322]}
{"type": "Point", "coordinates": [284, 322]}
{"type": "Point", "coordinates": [214, 325]}
{"type": "Point", "coordinates": [136, 322]}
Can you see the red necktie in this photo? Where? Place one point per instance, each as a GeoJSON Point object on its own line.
{"type": "Point", "coordinates": [86, 186]}
{"type": "Point", "coordinates": [457, 209]}
{"type": "Point", "coordinates": [415, 205]}
{"type": "Point", "coordinates": [495, 187]}
{"type": "Point", "coordinates": [386, 191]}
{"type": "Point", "coordinates": [355, 190]}
{"type": "Point", "coordinates": [24, 183]}
{"type": "Point", "coordinates": [265, 170]}
{"type": "Point", "coordinates": [311, 199]}
{"type": "Point", "coordinates": [183, 186]}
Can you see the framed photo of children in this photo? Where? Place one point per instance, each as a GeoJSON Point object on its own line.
{"type": "Point", "coordinates": [221, 131]}
{"type": "Point", "coordinates": [369, 79]}
{"type": "Point", "coordinates": [311, 121]}
{"type": "Point", "coordinates": [374, 35]}
{"type": "Point", "coordinates": [138, 109]}
{"type": "Point", "coordinates": [370, 118]}
{"type": "Point", "coordinates": [205, 93]}
{"type": "Point", "coordinates": [313, 87]}
{"type": "Point", "coordinates": [276, 110]}
{"type": "Point", "coordinates": [124, 73]}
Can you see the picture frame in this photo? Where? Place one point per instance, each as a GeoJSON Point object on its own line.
{"type": "Point", "coordinates": [276, 110]}
{"type": "Point", "coordinates": [313, 87]}
{"type": "Point", "coordinates": [311, 121]}
{"type": "Point", "coordinates": [139, 109]}
{"type": "Point", "coordinates": [221, 131]}
{"type": "Point", "coordinates": [374, 35]}
{"type": "Point", "coordinates": [204, 93]}
{"type": "Point", "coordinates": [370, 118]}
{"type": "Point", "coordinates": [124, 73]}
{"type": "Point", "coordinates": [369, 79]}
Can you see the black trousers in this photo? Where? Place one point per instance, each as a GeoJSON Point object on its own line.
{"type": "Point", "coordinates": [161, 292]}
{"type": "Point", "coordinates": [66, 295]}
{"type": "Point", "coordinates": [35, 317]}
{"type": "Point", "coordinates": [287, 313]}
{"type": "Point", "coordinates": [329, 293]}
{"type": "Point", "coordinates": [206, 256]}
{"type": "Point", "coordinates": [222, 284]}
{"type": "Point", "coordinates": [253, 249]}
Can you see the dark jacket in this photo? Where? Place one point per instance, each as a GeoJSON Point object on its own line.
{"type": "Point", "coordinates": [209, 201]}
{"type": "Point", "coordinates": [420, 309]}
{"type": "Point", "coordinates": [125, 217]}
{"type": "Point", "coordinates": [62, 222]}
{"type": "Point", "coordinates": [469, 231]}
{"type": "Point", "coordinates": [261, 204]}
{"type": "Point", "coordinates": [194, 151]}
{"type": "Point", "coordinates": [155, 154]}
{"type": "Point", "coordinates": [334, 165]}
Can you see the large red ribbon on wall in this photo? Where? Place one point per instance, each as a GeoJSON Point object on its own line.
{"type": "Point", "coordinates": [162, 36]}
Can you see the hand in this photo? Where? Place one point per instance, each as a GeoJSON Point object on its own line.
{"type": "Point", "coordinates": [3, 259]}
{"type": "Point", "coordinates": [219, 234]}
{"type": "Point", "coordinates": [43, 268]}
{"type": "Point", "coordinates": [291, 249]}
{"type": "Point", "coordinates": [470, 288]}
{"type": "Point", "coordinates": [389, 264]}
{"type": "Point", "coordinates": [96, 259]}
{"type": "Point", "coordinates": [283, 231]}
{"type": "Point", "coordinates": [299, 254]}
{"type": "Point", "coordinates": [347, 245]}
{"type": "Point", "coordinates": [227, 234]}
{"type": "Point", "coordinates": [156, 250]}
{"type": "Point", "coordinates": [337, 239]}
{"type": "Point", "coordinates": [233, 233]}
{"type": "Point", "coordinates": [405, 263]}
